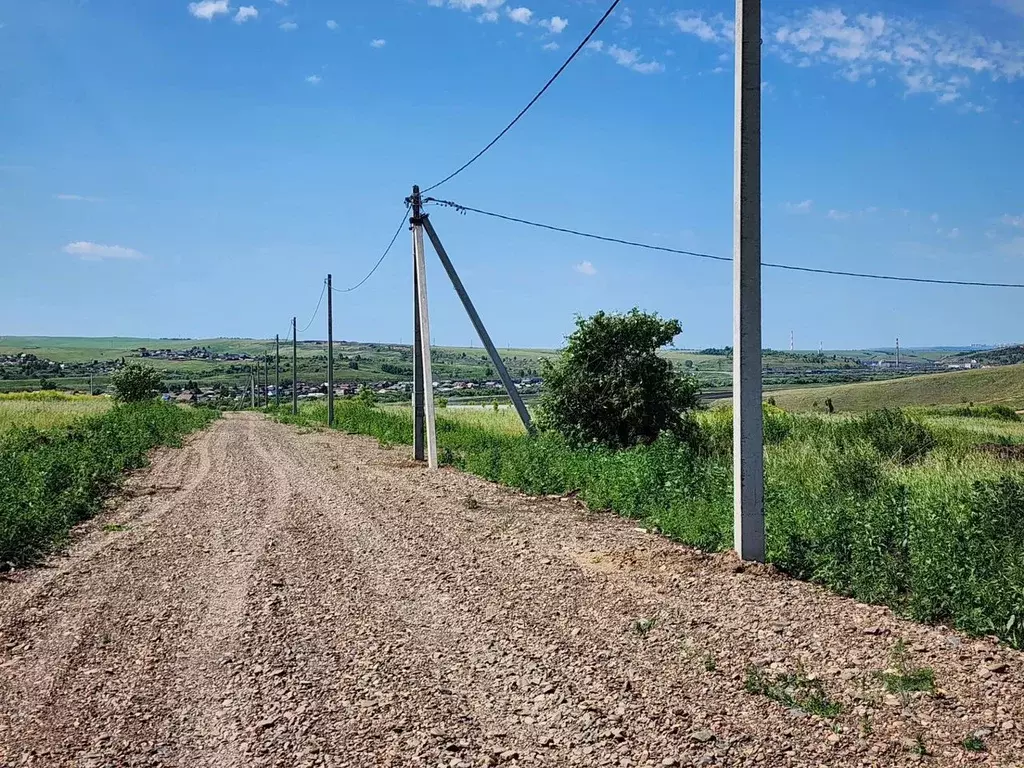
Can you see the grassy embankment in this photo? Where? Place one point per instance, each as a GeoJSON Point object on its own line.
{"type": "Point", "coordinates": [44, 410]}
{"type": "Point", "coordinates": [1002, 386]}
{"type": "Point", "coordinates": [879, 507]}
{"type": "Point", "coordinates": [56, 467]}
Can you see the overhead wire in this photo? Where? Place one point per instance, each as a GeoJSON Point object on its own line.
{"type": "Point", "coordinates": [387, 250]}
{"type": "Point", "coordinates": [713, 257]}
{"type": "Point", "coordinates": [317, 310]}
{"type": "Point", "coordinates": [533, 101]}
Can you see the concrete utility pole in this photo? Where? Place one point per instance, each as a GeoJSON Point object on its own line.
{"type": "Point", "coordinates": [330, 353]}
{"type": "Point", "coordinates": [419, 450]}
{"type": "Point", "coordinates": [748, 418]}
{"type": "Point", "coordinates": [424, 316]}
{"type": "Point", "coordinates": [295, 368]}
{"type": "Point", "coordinates": [277, 370]}
{"type": "Point", "coordinates": [897, 352]}
{"type": "Point", "coordinates": [252, 388]}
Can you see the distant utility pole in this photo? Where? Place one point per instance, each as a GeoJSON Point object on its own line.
{"type": "Point", "coordinates": [426, 372]}
{"type": "Point", "coordinates": [792, 342]}
{"type": "Point", "coordinates": [295, 368]}
{"type": "Point", "coordinates": [748, 418]}
{"type": "Point", "coordinates": [277, 370]}
{"type": "Point", "coordinates": [330, 354]}
{"type": "Point", "coordinates": [252, 388]}
{"type": "Point", "coordinates": [897, 352]}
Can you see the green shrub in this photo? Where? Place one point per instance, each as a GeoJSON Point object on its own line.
{"type": "Point", "coordinates": [135, 382]}
{"type": "Point", "coordinates": [894, 434]}
{"type": "Point", "coordinates": [610, 387]}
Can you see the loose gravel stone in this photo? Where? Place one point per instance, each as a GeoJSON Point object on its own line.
{"type": "Point", "coordinates": [288, 599]}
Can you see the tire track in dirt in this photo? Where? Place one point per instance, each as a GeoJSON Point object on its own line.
{"type": "Point", "coordinates": [313, 600]}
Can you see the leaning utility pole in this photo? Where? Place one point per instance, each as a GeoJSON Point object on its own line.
{"type": "Point", "coordinates": [427, 376]}
{"type": "Point", "coordinates": [330, 353]}
{"type": "Point", "coordinates": [277, 370]}
{"type": "Point", "coordinates": [295, 368]}
{"type": "Point", "coordinates": [748, 418]}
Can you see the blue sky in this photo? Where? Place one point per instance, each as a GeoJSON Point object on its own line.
{"type": "Point", "coordinates": [170, 168]}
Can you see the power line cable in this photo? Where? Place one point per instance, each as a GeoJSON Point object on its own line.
{"type": "Point", "coordinates": [317, 310]}
{"type": "Point", "coordinates": [533, 101]}
{"type": "Point", "coordinates": [649, 247]}
{"type": "Point", "coordinates": [380, 261]}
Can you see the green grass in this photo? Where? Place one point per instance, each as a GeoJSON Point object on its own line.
{"type": "Point", "coordinates": [996, 386]}
{"type": "Point", "coordinates": [880, 508]}
{"type": "Point", "coordinates": [792, 690]}
{"type": "Point", "coordinates": [51, 479]}
{"type": "Point", "coordinates": [45, 410]}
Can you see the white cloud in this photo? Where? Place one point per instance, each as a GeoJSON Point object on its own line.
{"type": "Point", "coordinates": [207, 9]}
{"type": "Point", "coordinates": [838, 215]}
{"type": "Point", "coordinates": [626, 18]}
{"type": "Point", "coordinates": [488, 16]}
{"type": "Point", "coordinates": [934, 218]}
{"type": "Point", "coordinates": [520, 15]}
{"type": "Point", "coordinates": [951, 234]}
{"type": "Point", "coordinates": [943, 62]}
{"type": "Point", "coordinates": [555, 25]}
{"type": "Point", "coordinates": [717, 30]}
{"type": "Point", "coordinates": [585, 268]}
{"type": "Point", "coordinates": [245, 13]}
{"type": "Point", "coordinates": [552, 46]}
{"type": "Point", "coordinates": [95, 252]}
{"type": "Point", "coordinates": [287, 26]}
{"type": "Point", "coordinates": [313, 79]}
{"type": "Point", "coordinates": [632, 59]}
{"type": "Point", "coordinates": [332, 24]}
{"type": "Point", "coordinates": [281, 2]}
{"type": "Point", "coordinates": [801, 207]}
{"type": "Point", "coordinates": [1013, 6]}
{"type": "Point", "coordinates": [79, 198]}
{"type": "Point", "coordinates": [378, 43]}
{"type": "Point", "coordinates": [1013, 221]}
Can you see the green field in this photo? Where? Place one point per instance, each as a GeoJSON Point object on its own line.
{"type": "Point", "coordinates": [1003, 385]}
{"type": "Point", "coordinates": [45, 410]}
{"type": "Point", "coordinates": [889, 507]}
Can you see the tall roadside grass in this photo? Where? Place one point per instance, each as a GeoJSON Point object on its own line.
{"type": "Point", "coordinates": [880, 507]}
{"type": "Point", "coordinates": [51, 479]}
{"type": "Point", "coordinates": [47, 409]}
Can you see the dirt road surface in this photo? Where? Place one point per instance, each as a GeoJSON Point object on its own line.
{"type": "Point", "coordinates": [264, 597]}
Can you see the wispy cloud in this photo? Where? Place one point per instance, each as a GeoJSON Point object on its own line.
{"type": "Point", "coordinates": [521, 15]}
{"type": "Point", "coordinates": [802, 207]}
{"type": "Point", "coordinates": [1013, 221]}
{"type": "Point", "coordinates": [555, 25]}
{"type": "Point", "coordinates": [838, 215]}
{"type": "Point", "coordinates": [281, 2]}
{"type": "Point", "coordinates": [313, 79]}
{"type": "Point", "coordinates": [332, 24]}
{"type": "Point", "coordinates": [287, 26]}
{"type": "Point", "coordinates": [625, 18]}
{"type": "Point", "coordinates": [378, 43]}
{"type": "Point", "coordinates": [208, 9]}
{"type": "Point", "coordinates": [943, 62]}
{"type": "Point", "coordinates": [629, 58]}
{"type": "Point", "coordinates": [79, 198]}
{"type": "Point", "coordinates": [585, 268]}
{"type": "Point", "coordinates": [95, 252]}
{"type": "Point", "coordinates": [552, 46]}
{"type": "Point", "coordinates": [245, 13]}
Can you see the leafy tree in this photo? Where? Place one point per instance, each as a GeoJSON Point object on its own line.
{"type": "Point", "coordinates": [367, 397]}
{"type": "Point", "coordinates": [135, 382]}
{"type": "Point", "coordinates": [609, 385]}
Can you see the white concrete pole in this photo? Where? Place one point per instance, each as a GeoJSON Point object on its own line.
{"type": "Point", "coordinates": [428, 376]}
{"type": "Point", "coordinates": [748, 419]}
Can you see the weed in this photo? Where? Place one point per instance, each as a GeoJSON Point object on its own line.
{"type": "Point", "coordinates": [471, 502]}
{"type": "Point", "coordinates": [904, 678]}
{"type": "Point", "coordinates": [919, 747]}
{"type": "Point", "coordinates": [641, 627]}
{"type": "Point", "coordinates": [115, 527]}
{"type": "Point", "coordinates": [792, 690]}
{"type": "Point", "coordinates": [710, 664]}
{"type": "Point", "coordinates": [973, 743]}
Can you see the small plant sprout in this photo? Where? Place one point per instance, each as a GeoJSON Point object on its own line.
{"type": "Point", "coordinates": [973, 743]}
{"type": "Point", "coordinates": [904, 678]}
{"type": "Point", "coordinates": [641, 627]}
{"type": "Point", "coordinates": [794, 690]}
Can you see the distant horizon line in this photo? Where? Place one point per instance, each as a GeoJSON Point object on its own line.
{"type": "Point", "coordinates": [874, 348]}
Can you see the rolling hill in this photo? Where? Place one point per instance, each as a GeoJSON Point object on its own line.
{"type": "Point", "coordinates": [1003, 385]}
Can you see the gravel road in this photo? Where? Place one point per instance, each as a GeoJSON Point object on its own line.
{"type": "Point", "coordinates": [268, 597]}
